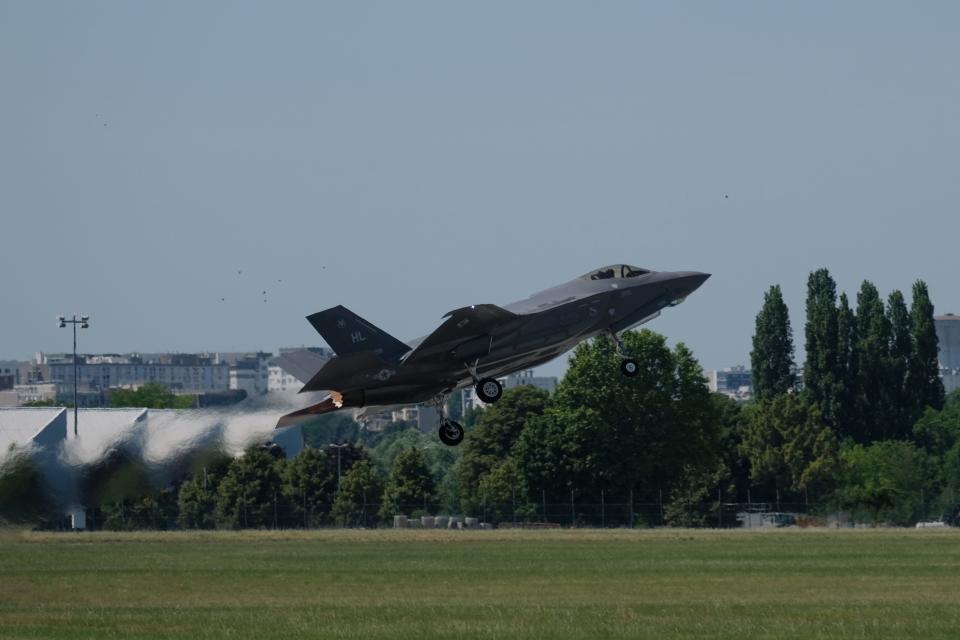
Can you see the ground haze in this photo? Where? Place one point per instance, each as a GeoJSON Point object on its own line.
{"type": "Point", "coordinates": [513, 584]}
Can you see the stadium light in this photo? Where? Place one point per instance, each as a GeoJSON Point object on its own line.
{"type": "Point", "coordinates": [84, 322]}
{"type": "Point", "coordinates": [338, 447]}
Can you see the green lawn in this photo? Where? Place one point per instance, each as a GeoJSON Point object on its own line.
{"type": "Point", "coordinates": [484, 584]}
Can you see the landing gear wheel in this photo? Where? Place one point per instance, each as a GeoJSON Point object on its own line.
{"type": "Point", "coordinates": [451, 433]}
{"type": "Point", "coordinates": [489, 390]}
{"type": "Point", "coordinates": [629, 367]}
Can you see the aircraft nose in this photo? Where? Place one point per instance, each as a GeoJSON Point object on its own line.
{"type": "Point", "coordinates": [686, 282]}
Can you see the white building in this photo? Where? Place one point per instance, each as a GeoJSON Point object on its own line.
{"type": "Point", "coordinates": [37, 392]}
{"type": "Point", "coordinates": [735, 382]}
{"type": "Point", "coordinates": [948, 334]}
{"type": "Point", "coordinates": [282, 381]}
{"type": "Point", "coordinates": [96, 374]}
{"type": "Point", "coordinates": [26, 427]}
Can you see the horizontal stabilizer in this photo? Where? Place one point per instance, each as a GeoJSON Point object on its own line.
{"type": "Point", "coordinates": [346, 332]}
{"type": "Point", "coordinates": [307, 414]}
{"type": "Point", "coordinates": [302, 364]}
{"type": "Point", "coordinates": [338, 373]}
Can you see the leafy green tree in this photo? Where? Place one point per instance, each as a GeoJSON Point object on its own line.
{"type": "Point", "coordinates": [902, 412]}
{"type": "Point", "coordinates": [822, 367]}
{"type": "Point", "coordinates": [154, 510]}
{"type": "Point", "coordinates": [489, 443]}
{"type": "Point", "coordinates": [503, 494]}
{"type": "Point", "coordinates": [360, 489]}
{"type": "Point", "coordinates": [937, 431]}
{"type": "Point", "coordinates": [605, 432]}
{"type": "Point", "coordinates": [471, 415]}
{"type": "Point", "coordinates": [197, 496]}
{"type": "Point", "coordinates": [772, 356]}
{"type": "Point", "coordinates": [309, 483]}
{"type": "Point", "coordinates": [410, 486]}
{"type": "Point", "coordinates": [873, 340]}
{"type": "Point", "coordinates": [938, 434]}
{"type": "Point", "coordinates": [331, 428]}
{"type": "Point", "coordinates": [196, 503]}
{"type": "Point", "coordinates": [787, 444]}
{"type": "Point", "coordinates": [884, 480]}
{"type": "Point", "coordinates": [847, 368]}
{"type": "Point", "coordinates": [250, 492]}
{"type": "Point", "coordinates": [23, 491]}
{"type": "Point", "coordinates": [152, 395]}
{"type": "Point", "coordinates": [693, 502]}
{"type": "Point", "coordinates": [923, 378]}
{"type": "Point", "coordinates": [441, 460]}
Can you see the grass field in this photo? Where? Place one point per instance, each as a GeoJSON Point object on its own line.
{"type": "Point", "coordinates": [484, 584]}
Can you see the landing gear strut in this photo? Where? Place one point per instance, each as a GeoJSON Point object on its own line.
{"type": "Point", "coordinates": [451, 433]}
{"type": "Point", "coordinates": [628, 366]}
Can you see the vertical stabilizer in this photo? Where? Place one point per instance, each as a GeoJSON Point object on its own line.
{"type": "Point", "coordinates": [346, 332]}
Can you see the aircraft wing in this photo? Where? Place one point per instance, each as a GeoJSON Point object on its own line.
{"type": "Point", "coordinates": [461, 325]}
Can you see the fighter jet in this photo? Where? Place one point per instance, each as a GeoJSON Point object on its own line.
{"type": "Point", "coordinates": [477, 344]}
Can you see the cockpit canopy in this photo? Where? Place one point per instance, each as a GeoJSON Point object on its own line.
{"type": "Point", "coordinates": [616, 272]}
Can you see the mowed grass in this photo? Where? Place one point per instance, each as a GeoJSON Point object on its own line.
{"type": "Point", "coordinates": [484, 584]}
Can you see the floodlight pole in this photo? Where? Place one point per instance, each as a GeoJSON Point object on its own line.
{"type": "Point", "coordinates": [84, 322]}
{"type": "Point", "coordinates": [338, 447]}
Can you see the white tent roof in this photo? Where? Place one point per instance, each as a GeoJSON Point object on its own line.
{"type": "Point", "coordinates": [26, 426]}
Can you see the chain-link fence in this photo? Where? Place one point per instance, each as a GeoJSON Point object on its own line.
{"type": "Point", "coordinates": [618, 513]}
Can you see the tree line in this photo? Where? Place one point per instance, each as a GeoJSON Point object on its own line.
{"type": "Point", "coordinates": [861, 427]}
{"type": "Point", "coordinates": [865, 424]}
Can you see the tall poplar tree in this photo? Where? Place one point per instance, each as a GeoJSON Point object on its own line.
{"type": "Point", "coordinates": [771, 359]}
{"type": "Point", "coordinates": [821, 367]}
{"type": "Point", "coordinates": [900, 413]}
{"type": "Point", "coordinates": [847, 368]}
{"type": "Point", "coordinates": [923, 381]}
{"type": "Point", "coordinates": [872, 353]}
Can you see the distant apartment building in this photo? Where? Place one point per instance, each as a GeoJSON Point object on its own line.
{"type": "Point", "coordinates": [9, 374]}
{"type": "Point", "coordinates": [735, 382]}
{"type": "Point", "coordinates": [249, 372]}
{"type": "Point", "coordinates": [469, 397]}
{"type": "Point", "coordinates": [948, 334]}
{"type": "Point", "coordinates": [97, 374]}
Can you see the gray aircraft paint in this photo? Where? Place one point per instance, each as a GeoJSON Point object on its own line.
{"type": "Point", "coordinates": [373, 368]}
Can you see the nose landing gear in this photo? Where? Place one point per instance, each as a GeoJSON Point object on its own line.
{"type": "Point", "coordinates": [451, 433]}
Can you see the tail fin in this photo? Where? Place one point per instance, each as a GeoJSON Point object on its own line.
{"type": "Point", "coordinates": [346, 332]}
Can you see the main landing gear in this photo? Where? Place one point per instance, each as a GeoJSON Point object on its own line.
{"type": "Point", "coordinates": [488, 389]}
{"type": "Point", "coordinates": [451, 433]}
{"type": "Point", "coordinates": [628, 366]}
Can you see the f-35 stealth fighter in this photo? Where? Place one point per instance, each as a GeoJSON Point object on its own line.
{"type": "Point", "coordinates": [477, 344]}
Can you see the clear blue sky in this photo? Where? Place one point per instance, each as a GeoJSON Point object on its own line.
{"type": "Point", "coordinates": [432, 155]}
